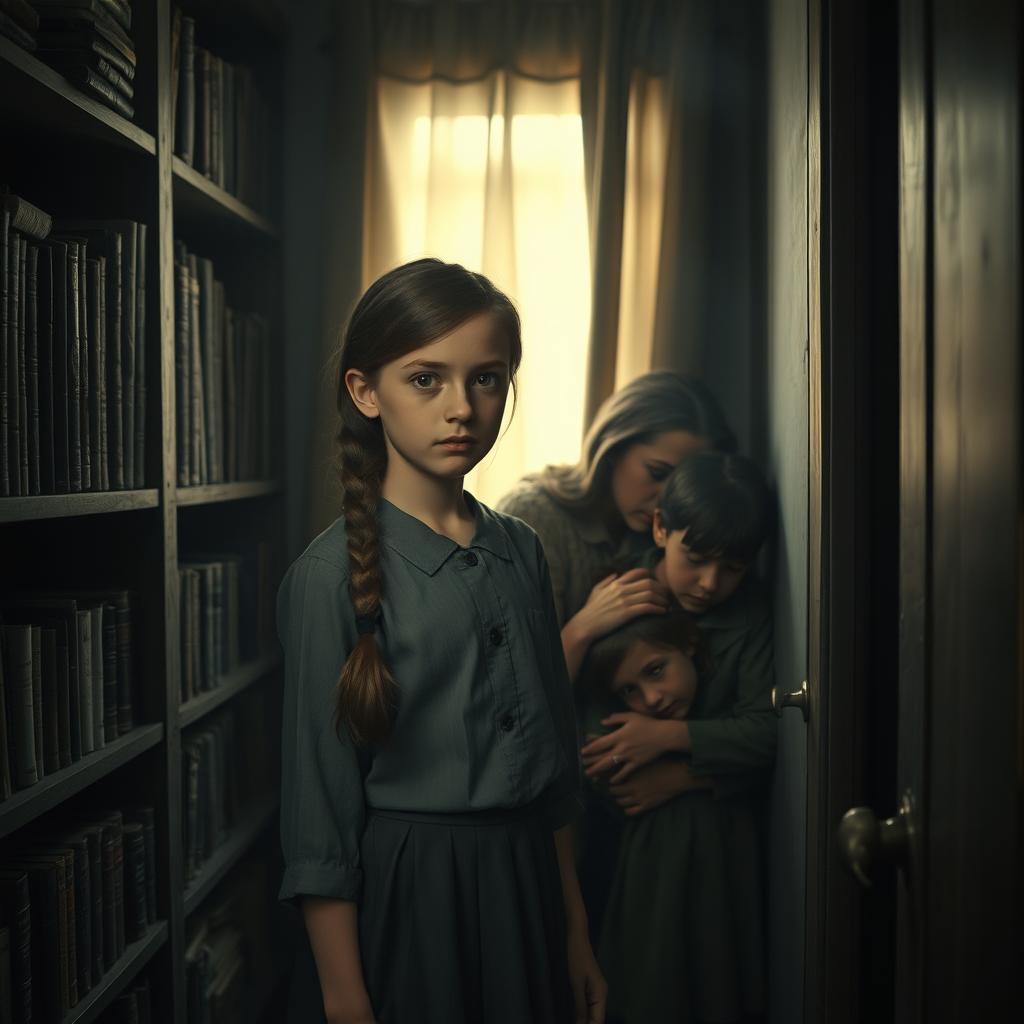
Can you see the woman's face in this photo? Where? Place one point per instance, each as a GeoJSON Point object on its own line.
{"type": "Point", "coordinates": [656, 681]}
{"type": "Point", "coordinates": [640, 473]}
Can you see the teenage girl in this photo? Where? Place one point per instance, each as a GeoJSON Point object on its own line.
{"type": "Point", "coordinates": [712, 519]}
{"type": "Point", "coordinates": [430, 768]}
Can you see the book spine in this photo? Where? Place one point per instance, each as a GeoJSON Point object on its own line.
{"type": "Point", "coordinates": [85, 689]}
{"type": "Point", "coordinates": [110, 953]}
{"type": "Point", "coordinates": [13, 377]}
{"type": "Point", "coordinates": [125, 721]}
{"type": "Point", "coordinates": [115, 349]}
{"type": "Point", "coordinates": [37, 699]}
{"type": "Point", "coordinates": [96, 614]}
{"type": "Point", "coordinates": [44, 344]}
{"type": "Point", "coordinates": [110, 660]}
{"type": "Point", "coordinates": [74, 373]}
{"type": "Point", "coordinates": [5, 231]}
{"type": "Point", "coordinates": [60, 355]}
{"type": "Point", "coordinates": [197, 460]}
{"type": "Point", "coordinates": [129, 257]}
{"type": "Point", "coordinates": [140, 360]}
{"type": "Point", "coordinates": [182, 366]}
{"type": "Point", "coordinates": [22, 367]}
{"type": "Point", "coordinates": [84, 368]}
{"type": "Point", "coordinates": [20, 717]}
{"type": "Point", "coordinates": [51, 720]}
{"type": "Point", "coordinates": [187, 99]}
{"type": "Point", "coordinates": [92, 266]}
{"type": "Point", "coordinates": [32, 367]}
{"type": "Point", "coordinates": [101, 381]}
{"type": "Point", "coordinates": [63, 698]}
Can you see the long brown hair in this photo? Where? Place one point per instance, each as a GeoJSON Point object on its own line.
{"type": "Point", "coordinates": [403, 310]}
{"type": "Point", "coordinates": [651, 404]}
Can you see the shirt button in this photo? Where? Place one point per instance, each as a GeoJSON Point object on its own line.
{"type": "Point", "coordinates": [470, 558]}
{"type": "Point", "coordinates": [496, 636]}
{"type": "Point", "coordinates": [507, 723]}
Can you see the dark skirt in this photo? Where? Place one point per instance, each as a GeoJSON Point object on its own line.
{"type": "Point", "coordinates": [461, 920]}
{"type": "Point", "coordinates": [683, 934]}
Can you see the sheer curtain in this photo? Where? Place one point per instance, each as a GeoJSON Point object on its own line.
{"type": "Point", "coordinates": [563, 148]}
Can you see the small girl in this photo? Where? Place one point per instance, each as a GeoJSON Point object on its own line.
{"type": "Point", "coordinates": [430, 770]}
{"type": "Point", "coordinates": [684, 941]}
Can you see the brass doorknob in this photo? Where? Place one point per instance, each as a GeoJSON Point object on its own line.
{"type": "Point", "coordinates": [864, 840]}
{"type": "Point", "coordinates": [796, 699]}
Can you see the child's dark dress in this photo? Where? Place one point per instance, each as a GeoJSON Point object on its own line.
{"type": "Point", "coordinates": [444, 835]}
{"type": "Point", "coordinates": [683, 933]}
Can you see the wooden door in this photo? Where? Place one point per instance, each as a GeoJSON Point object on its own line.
{"type": "Point", "coordinates": [961, 731]}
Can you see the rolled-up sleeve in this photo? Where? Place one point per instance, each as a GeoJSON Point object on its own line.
{"type": "Point", "coordinates": [322, 803]}
{"type": "Point", "coordinates": [740, 748]}
{"type": "Point", "coordinates": [562, 801]}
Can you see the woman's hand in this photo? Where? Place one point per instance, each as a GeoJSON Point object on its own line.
{"type": "Point", "coordinates": [656, 784]}
{"type": "Point", "coordinates": [637, 741]}
{"type": "Point", "coordinates": [589, 989]}
{"type": "Point", "coordinates": [616, 600]}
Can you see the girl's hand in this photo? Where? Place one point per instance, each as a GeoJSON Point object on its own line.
{"type": "Point", "coordinates": [656, 784]}
{"type": "Point", "coordinates": [638, 740]}
{"type": "Point", "coordinates": [618, 599]}
{"type": "Point", "coordinates": [589, 989]}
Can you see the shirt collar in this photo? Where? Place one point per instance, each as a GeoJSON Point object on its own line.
{"type": "Point", "coordinates": [428, 551]}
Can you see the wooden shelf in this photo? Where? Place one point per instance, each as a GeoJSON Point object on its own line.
{"type": "Point", "coordinates": [27, 804]}
{"type": "Point", "coordinates": [121, 974]}
{"type": "Point", "coordinates": [59, 506]}
{"type": "Point", "coordinates": [200, 199]}
{"type": "Point", "coordinates": [210, 494]}
{"type": "Point", "coordinates": [230, 852]}
{"type": "Point", "coordinates": [35, 95]}
{"type": "Point", "coordinates": [230, 686]}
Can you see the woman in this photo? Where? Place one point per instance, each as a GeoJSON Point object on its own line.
{"type": "Point", "coordinates": [599, 513]}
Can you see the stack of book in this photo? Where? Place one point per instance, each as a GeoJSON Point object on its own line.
{"type": "Point", "coordinates": [222, 380]}
{"type": "Point", "coordinates": [19, 21]}
{"type": "Point", "coordinates": [72, 353]}
{"type": "Point", "coordinates": [88, 41]}
{"type": "Point", "coordinates": [221, 122]}
{"type": "Point", "coordinates": [225, 614]}
{"type": "Point", "coordinates": [66, 680]}
{"type": "Point", "coordinates": [135, 1006]}
{"type": "Point", "coordinates": [70, 901]}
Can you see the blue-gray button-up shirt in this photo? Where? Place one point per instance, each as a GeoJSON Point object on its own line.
{"type": "Point", "coordinates": [485, 719]}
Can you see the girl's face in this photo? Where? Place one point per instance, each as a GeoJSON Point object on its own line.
{"type": "Point", "coordinates": [697, 581]}
{"type": "Point", "coordinates": [640, 472]}
{"type": "Point", "coordinates": [656, 681]}
{"type": "Point", "coordinates": [441, 405]}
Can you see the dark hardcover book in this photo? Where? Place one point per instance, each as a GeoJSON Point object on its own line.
{"type": "Point", "coordinates": [97, 671]}
{"type": "Point", "coordinates": [191, 788]}
{"type": "Point", "coordinates": [16, 910]}
{"type": "Point", "coordinates": [145, 816]}
{"type": "Point", "coordinates": [182, 365]}
{"type": "Point", "coordinates": [23, 365]}
{"type": "Point", "coordinates": [197, 443]}
{"type": "Point", "coordinates": [103, 422]}
{"type": "Point", "coordinates": [217, 120]}
{"type": "Point", "coordinates": [21, 730]}
{"type": "Point", "coordinates": [51, 701]}
{"type": "Point", "coordinates": [83, 912]}
{"type": "Point", "coordinates": [204, 112]}
{"type": "Point", "coordinates": [95, 371]}
{"type": "Point", "coordinates": [49, 950]}
{"type": "Point", "coordinates": [108, 843]}
{"type": "Point", "coordinates": [6, 783]}
{"type": "Point", "coordinates": [139, 461]}
{"type": "Point", "coordinates": [74, 373]}
{"type": "Point", "coordinates": [44, 354]}
{"type": "Point", "coordinates": [94, 82]}
{"type": "Point", "coordinates": [129, 296]}
{"type": "Point", "coordinates": [59, 396]}
{"type": "Point", "coordinates": [185, 128]}
{"type": "Point", "coordinates": [114, 822]}
{"type": "Point", "coordinates": [90, 49]}
{"type": "Point", "coordinates": [85, 685]}
{"type": "Point", "coordinates": [37, 699]}
{"type": "Point", "coordinates": [32, 368]}
{"type": "Point", "coordinates": [185, 639]}
{"type": "Point", "coordinates": [10, 28]}
{"type": "Point", "coordinates": [76, 14]}
{"type": "Point", "coordinates": [210, 346]}
{"type": "Point", "coordinates": [76, 67]}
{"type": "Point", "coordinates": [230, 399]}
{"type": "Point", "coordinates": [27, 219]}
{"type": "Point", "coordinates": [22, 12]}
{"type": "Point", "coordinates": [125, 681]}
{"type": "Point", "coordinates": [92, 833]}
{"type": "Point", "coordinates": [228, 128]}
{"type": "Point", "coordinates": [136, 915]}
{"type": "Point", "coordinates": [85, 421]}
{"type": "Point", "coordinates": [13, 375]}
{"type": "Point", "coordinates": [109, 672]}
{"type": "Point", "coordinates": [5, 232]}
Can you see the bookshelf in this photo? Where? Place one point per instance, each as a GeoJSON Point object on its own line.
{"type": "Point", "coordinates": [75, 157]}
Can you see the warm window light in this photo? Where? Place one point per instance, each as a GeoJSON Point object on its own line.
{"type": "Point", "coordinates": [523, 222]}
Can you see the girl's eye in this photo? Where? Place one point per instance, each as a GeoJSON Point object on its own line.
{"type": "Point", "coordinates": [655, 669]}
{"type": "Point", "coordinates": [627, 691]}
{"type": "Point", "coordinates": [487, 380]}
{"type": "Point", "coordinates": [422, 381]}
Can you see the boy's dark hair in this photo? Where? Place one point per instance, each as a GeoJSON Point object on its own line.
{"type": "Point", "coordinates": [722, 502]}
{"type": "Point", "coordinates": [675, 629]}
